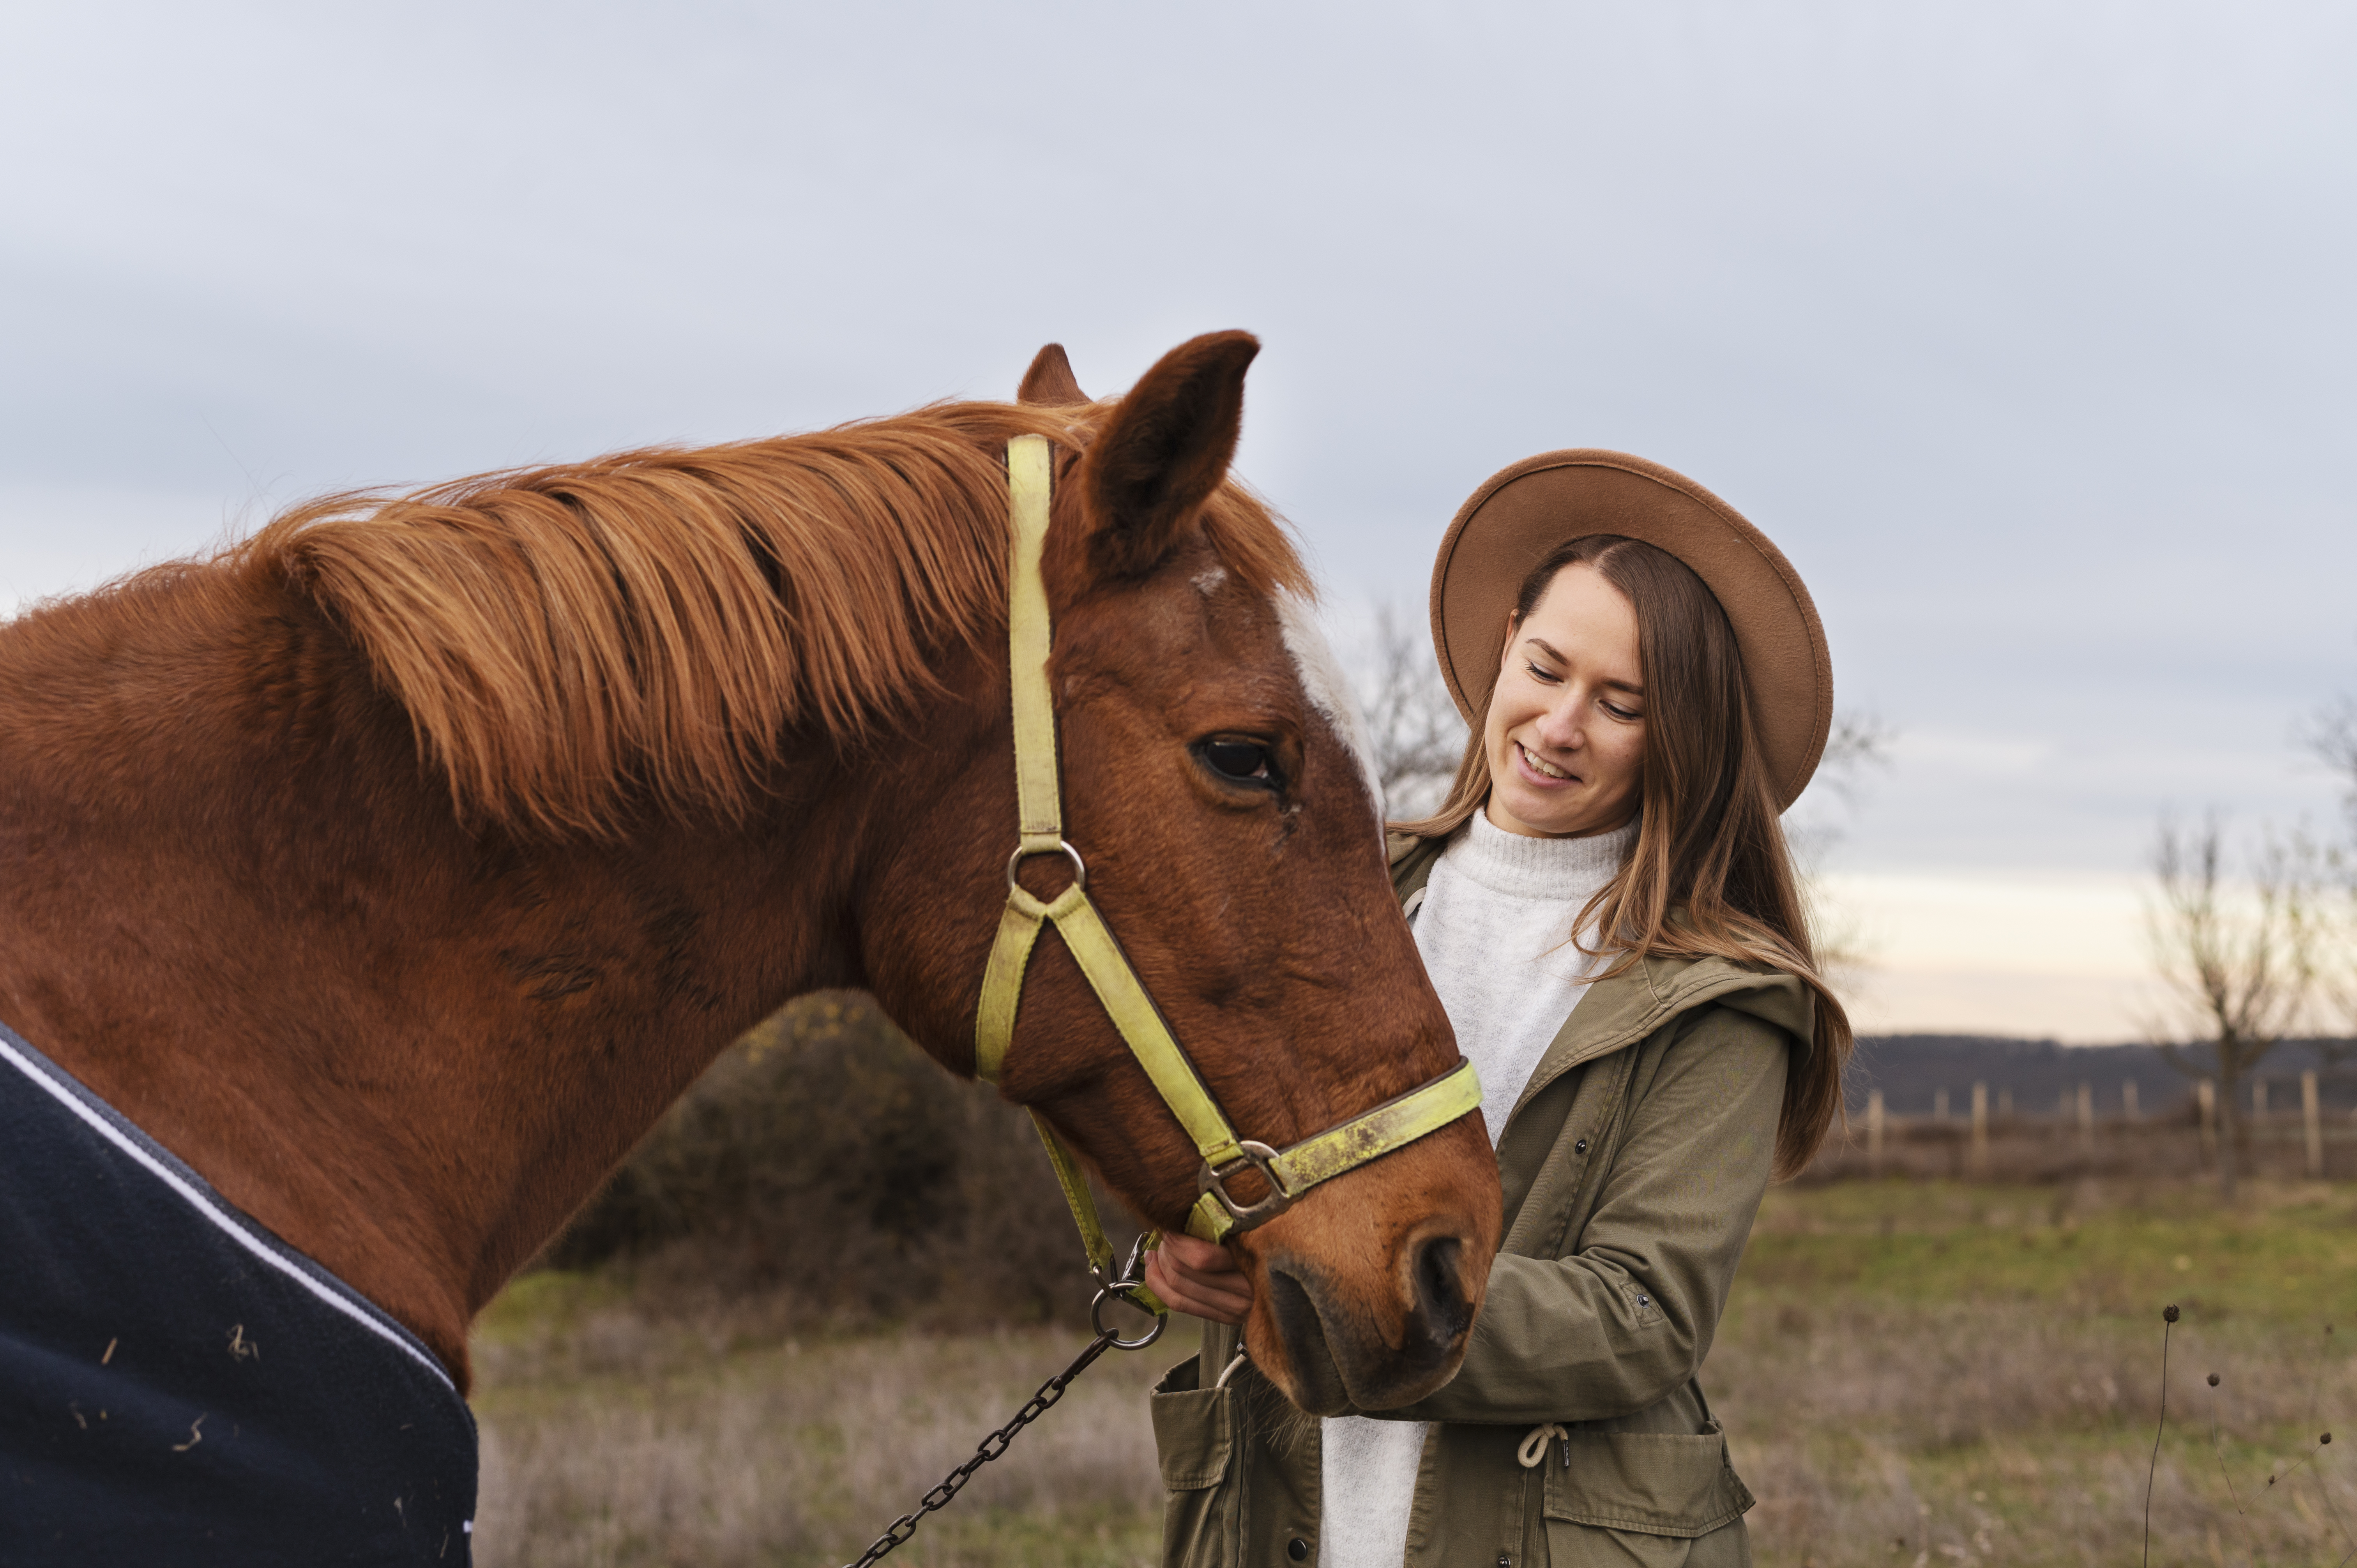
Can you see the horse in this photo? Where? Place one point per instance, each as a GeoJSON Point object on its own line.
{"type": "Point", "coordinates": [389, 872]}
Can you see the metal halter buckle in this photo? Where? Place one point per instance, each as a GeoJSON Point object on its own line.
{"type": "Point", "coordinates": [1025, 852]}
{"type": "Point", "coordinates": [1261, 1158]}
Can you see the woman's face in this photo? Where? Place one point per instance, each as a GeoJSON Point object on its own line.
{"type": "Point", "coordinates": [1565, 736]}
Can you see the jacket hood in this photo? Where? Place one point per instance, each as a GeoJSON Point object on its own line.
{"type": "Point", "coordinates": [1619, 1012]}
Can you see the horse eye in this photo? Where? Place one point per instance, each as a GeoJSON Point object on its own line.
{"type": "Point", "coordinates": [1241, 761]}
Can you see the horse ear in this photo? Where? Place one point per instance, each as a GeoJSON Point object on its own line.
{"type": "Point", "coordinates": [1049, 383]}
{"type": "Point", "coordinates": [1165, 450]}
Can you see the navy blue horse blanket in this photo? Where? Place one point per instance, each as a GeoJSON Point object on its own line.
{"type": "Point", "coordinates": [179, 1386]}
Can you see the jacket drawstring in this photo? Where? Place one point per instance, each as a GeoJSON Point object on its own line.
{"type": "Point", "coordinates": [1533, 1452]}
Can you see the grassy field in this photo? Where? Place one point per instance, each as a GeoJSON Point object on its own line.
{"type": "Point", "coordinates": [1913, 1373]}
{"type": "Point", "coordinates": [1942, 1372]}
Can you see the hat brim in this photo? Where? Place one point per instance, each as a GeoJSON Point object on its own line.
{"type": "Point", "coordinates": [1508, 526]}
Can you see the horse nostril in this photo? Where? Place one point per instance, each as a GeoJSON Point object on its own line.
{"type": "Point", "coordinates": [1320, 1387]}
{"type": "Point", "coordinates": [1439, 1290]}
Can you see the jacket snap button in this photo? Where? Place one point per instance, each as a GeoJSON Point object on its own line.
{"type": "Point", "coordinates": [1506, 1560]}
{"type": "Point", "coordinates": [1579, 1148]}
{"type": "Point", "coordinates": [1298, 1549]}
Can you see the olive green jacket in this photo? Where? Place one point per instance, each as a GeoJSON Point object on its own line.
{"type": "Point", "coordinates": [1632, 1167]}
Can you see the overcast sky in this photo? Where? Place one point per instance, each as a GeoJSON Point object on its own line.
{"type": "Point", "coordinates": [2025, 330]}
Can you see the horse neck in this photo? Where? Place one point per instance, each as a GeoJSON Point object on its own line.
{"type": "Point", "coordinates": [242, 911]}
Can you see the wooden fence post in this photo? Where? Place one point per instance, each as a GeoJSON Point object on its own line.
{"type": "Point", "coordinates": [2086, 1118]}
{"type": "Point", "coordinates": [1874, 1132]}
{"type": "Point", "coordinates": [2128, 1100]}
{"type": "Point", "coordinates": [1980, 1128]}
{"type": "Point", "coordinates": [2311, 1115]}
{"type": "Point", "coordinates": [2205, 1095]}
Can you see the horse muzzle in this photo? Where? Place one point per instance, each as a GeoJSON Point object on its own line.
{"type": "Point", "coordinates": [1355, 1310]}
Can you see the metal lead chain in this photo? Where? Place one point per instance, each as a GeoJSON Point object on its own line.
{"type": "Point", "coordinates": [998, 1442]}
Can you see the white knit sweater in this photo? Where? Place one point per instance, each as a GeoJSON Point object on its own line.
{"type": "Point", "coordinates": [1495, 931]}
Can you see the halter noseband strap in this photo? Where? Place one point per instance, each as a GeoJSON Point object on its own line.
{"type": "Point", "coordinates": [1288, 1172]}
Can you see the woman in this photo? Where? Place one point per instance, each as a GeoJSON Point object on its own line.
{"type": "Point", "coordinates": [1608, 911]}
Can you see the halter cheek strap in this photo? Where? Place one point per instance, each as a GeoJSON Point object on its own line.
{"type": "Point", "coordinates": [1288, 1172]}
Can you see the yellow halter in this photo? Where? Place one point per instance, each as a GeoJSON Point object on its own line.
{"type": "Point", "coordinates": [1288, 1172]}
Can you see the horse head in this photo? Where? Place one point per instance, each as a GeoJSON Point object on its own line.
{"type": "Point", "coordinates": [1217, 789]}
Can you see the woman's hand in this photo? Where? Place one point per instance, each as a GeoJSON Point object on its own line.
{"type": "Point", "coordinates": [1198, 1278]}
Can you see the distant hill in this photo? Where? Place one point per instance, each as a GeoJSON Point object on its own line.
{"type": "Point", "coordinates": [1912, 1070]}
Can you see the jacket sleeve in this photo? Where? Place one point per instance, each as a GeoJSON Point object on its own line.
{"type": "Point", "coordinates": [1627, 1318]}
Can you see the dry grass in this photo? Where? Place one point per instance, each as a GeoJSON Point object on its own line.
{"type": "Point", "coordinates": [1933, 1373]}
{"type": "Point", "coordinates": [612, 1438]}
{"type": "Point", "coordinates": [1980, 1433]}
{"type": "Point", "coordinates": [1913, 1374]}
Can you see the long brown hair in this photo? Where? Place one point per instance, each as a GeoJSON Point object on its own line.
{"type": "Point", "coordinates": [1710, 875]}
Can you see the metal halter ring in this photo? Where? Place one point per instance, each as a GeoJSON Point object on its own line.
{"type": "Point", "coordinates": [1261, 1158]}
{"type": "Point", "coordinates": [1023, 852]}
{"type": "Point", "coordinates": [1121, 1292]}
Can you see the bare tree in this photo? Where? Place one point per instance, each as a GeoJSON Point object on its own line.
{"type": "Point", "coordinates": [2236, 966]}
{"type": "Point", "coordinates": [2334, 740]}
{"type": "Point", "coordinates": [1859, 744]}
{"type": "Point", "coordinates": [1412, 724]}
{"type": "Point", "coordinates": [2332, 947]}
{"type": "Point", "coordinates": [1856, 742]}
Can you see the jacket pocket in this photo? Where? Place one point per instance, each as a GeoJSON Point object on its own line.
{"type": "Point", "coordinates": [1195, 1438]}
{"type": "Point", "coordinates": [1648, 1483]}
{"type": "Point", "coordinates": [1194, 1429]}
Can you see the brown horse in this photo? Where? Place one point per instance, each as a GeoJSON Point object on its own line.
{"type": "Point", "coordinates": [396, 867]}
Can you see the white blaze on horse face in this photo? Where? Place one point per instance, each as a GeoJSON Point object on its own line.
{"type": "Point", "coordinates": [1329, 690]}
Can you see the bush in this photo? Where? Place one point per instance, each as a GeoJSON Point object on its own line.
{"type": "Point", "coordinates": [826, 1157]}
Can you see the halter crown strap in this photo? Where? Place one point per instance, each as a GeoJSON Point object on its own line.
{"type": "Point", "coordinates": [1038, 805]}
{"type": "Point", "coordinates": [1037, 808]}
{"type": "Point", "coordinates": [1288, 1172]}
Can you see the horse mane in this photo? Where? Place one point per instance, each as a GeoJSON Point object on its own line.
{"type": "Point", "coordinates": [570, 640]}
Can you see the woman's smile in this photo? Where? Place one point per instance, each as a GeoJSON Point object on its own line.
{"type": "Point", "coordinates": [1547, 773]}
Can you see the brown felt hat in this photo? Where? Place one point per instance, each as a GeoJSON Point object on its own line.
{"type": "Point", "coordinates": [1519, 513]}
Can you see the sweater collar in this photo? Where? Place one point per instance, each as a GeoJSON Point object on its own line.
{"type": "Point", "coordinates": [1567, 869]}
